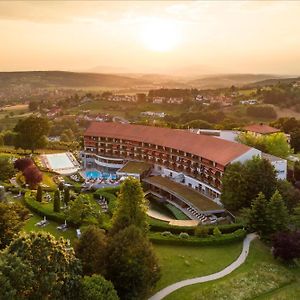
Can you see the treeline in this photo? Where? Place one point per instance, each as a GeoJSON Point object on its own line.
{"type": "Point", "coordinates": [173, 93]}
{"type": "Point", "coordinates": [283, 95]}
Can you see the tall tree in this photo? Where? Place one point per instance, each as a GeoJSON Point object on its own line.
{"type": "Point", "coordinates": [91, 250]}
{"type": "Point", "coordinates": [96, 287]}
{"type": "Point", "coordinates": [295, 140]}
{"type": "Point", "coordinates": [297, 170]}
{"type": "Point", "coordinates": [131, 208]}
{"type": "Point", "coordinates": [258, 220]}
{"type": "Point", "coordinates": [56, 201]}
{"type": "Point", "coordinates": [277, 214]}
{"type": "Point", "coordinates": [290, 195]}
{"type": "Point", "coordinates": [31, 133]}
{"type": "Point", "coordinates": [66, 195]}
{"type": "Point", "coordinates": [131, 264]}
{"type": "Point", "coordinates": [39, 194]}
{"type": "Point", "coordinates": [50, 268]}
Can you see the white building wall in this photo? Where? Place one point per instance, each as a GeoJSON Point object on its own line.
{"type": "Point", "coordinates": [247, 155]}
{"type": "Point", "coordinates": [280, 167]}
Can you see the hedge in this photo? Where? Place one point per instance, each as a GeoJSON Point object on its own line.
{"type": "Point", "coordinates": [159, 238]}
{"type": "Point", "coordinates": [160, 226]}
{"type": "Point", "coordinates": [38, 208]}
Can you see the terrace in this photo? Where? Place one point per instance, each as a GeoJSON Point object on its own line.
{"type": "Point", "coordinates": [136, 168]}
{"type": "Point", "coordinates": [186, 195]}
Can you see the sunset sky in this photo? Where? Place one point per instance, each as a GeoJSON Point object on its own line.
{"type": "Point", "coordinates": [179, 37]}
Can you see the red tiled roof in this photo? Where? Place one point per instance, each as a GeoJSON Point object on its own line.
{"type": "Point", "coordinates": [261, 128]}
{"type": "Point", "coordinates": [214, 149]}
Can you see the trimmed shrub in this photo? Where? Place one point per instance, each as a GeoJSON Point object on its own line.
{"type": "Point", "coordinates": [217, 232]}
{"type": "Point", "coordinates": [166, 233]}
{"type": "Point", "coordinates": [184, 235]}
{"type": "Point", "coordinates": [56, 202]}
{"type": "Point", "coordinates": [194, 241]}
{"type": "Point", "coordinates": [39, 194]}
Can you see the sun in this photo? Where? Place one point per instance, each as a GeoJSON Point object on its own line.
{"type": "Point", "coordinates": [160, 35]}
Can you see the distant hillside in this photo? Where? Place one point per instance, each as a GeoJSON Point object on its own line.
{"type": "Point", "coordinates": [274, 81]}
{"type": "Point", "coordinates": [43, 79]}
{"type": "Point", "coordinates": [227, 80]}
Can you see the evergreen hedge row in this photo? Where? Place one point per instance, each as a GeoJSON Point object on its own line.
{"type": "Point", "coordinates": [163, 239]}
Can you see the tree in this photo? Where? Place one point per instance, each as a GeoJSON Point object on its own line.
{"type": "Point", "coordinates": [6, 168]}
{"type": "Point", "coordinates": [23, 163]}
{"type": "Point", "coordinates": [31, 133]}
{"type": "Point", "coordinates": [56, 201]}
{"type": "Point", "coordinates": [131, 208]}
{"type": "Point", "coordinates": [290, 195]}
{"type": "Point", "coordinates": [33, 105]}
{"type": "Point", "coordinates": [286, 245]}
{"type": "Point", "coordinates": [297, 170]}
{"type": "Point", "coordinates": [39, 194]}
{"type": "Point", "coordinates": [66, 195]}
{"type": "Point", "coordinates": [275, 144]}
{"type": "Point", "coordinates": [234, 183]}
{"type": "Point", "coordinates": [48, 267]}
{"type": "Point", "coordinates": [131, 264]}
{"type": "Point", "coordinates": [240, 184]}
{"type": "Point", "coordinates": [33, 176]}
{"type": "Point", "coordinates": [91, 250]}
{"type": "Point", "coordinates": [258, 220]}
{"type": "Point", "coordinates": [277, 214]}
{"type": "Point", "coordinates": [81, 211]}
{"type": "Point", "coordinates": [12, 217]}
{"type": "Point", "coordinates": [96, 287]}
{"type": "Point", "coordinates": [295, 140]}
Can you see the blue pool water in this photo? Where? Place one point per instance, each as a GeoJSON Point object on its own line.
{"type": "Point", "coordinates": [97, 174]}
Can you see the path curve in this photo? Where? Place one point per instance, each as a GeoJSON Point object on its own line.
{"type": "Point", "coordinates": [239, 261]}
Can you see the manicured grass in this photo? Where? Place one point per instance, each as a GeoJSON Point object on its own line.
{"type": "Point", "coordinates": [196, 198]}
{"type": "Point", "coordinates": [160, 207]}
{"type": "Point", "coordinates": [135, 167]}
{"type": "Point", "coordinates": [260, 276]}
{"type": "Point", "coordinates": [183, 262]}
{"type": "Point", "coordinates": [48, 180]}
{"type": "Point", "coordinates": [51, 228]}
{"type": "Point", "coordinates": [179, 215]}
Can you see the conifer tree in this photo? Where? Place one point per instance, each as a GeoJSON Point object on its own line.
{"type": "Point", "coordinates": [39, 194]}
{"type": "Point", "coordinates": [56, 202]}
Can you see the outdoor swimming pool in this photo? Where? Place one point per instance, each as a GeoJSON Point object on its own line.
{"type": "Point", "coordinates": [59, 161]}
{"type": "Point", "coordinates": [94, 174]}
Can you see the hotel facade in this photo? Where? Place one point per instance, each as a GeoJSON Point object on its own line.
{"type": "Point", "coordinates": [196, 161]}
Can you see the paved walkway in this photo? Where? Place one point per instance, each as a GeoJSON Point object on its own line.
{"type": "Point", "coordinates": [239, 261]}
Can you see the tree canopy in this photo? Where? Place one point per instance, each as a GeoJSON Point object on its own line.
{"type": "Point", "coordinates": [131, 208]}
{"type": "Point", "coordinates": [131, 264]}
{"type": "Point", "coordinates": [6, 168]}
{"type": "Point", "coordinates": [96, 287]}
{"type": "Point", "coordinates": [48, 266]}
{"type": "Point", "coordinates": [241, 184]}
{"type": "Point", "coordinates": [91, 250]}
{"type": "Point", "coordinates": [31, 133]}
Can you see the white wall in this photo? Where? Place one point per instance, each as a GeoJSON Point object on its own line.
{"type": "Point", "coordinates": [281, 168]}
{"type": "Point", "coordinates": [247, 155]}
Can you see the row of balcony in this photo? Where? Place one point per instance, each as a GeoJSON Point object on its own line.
{"type": "Point", "coordinates": [175, 155]}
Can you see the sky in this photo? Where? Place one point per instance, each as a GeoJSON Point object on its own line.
{"type": "Point", "coordinates": [172, 37]}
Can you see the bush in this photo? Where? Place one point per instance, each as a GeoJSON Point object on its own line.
{"type": "Point", "coordinates": [166, 233]}
{"type": "Point", "coordinates": [184, 235]}
{"type": "Point", "coordinates": [217, 232]}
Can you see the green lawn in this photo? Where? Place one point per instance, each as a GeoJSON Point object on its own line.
{"type": "Point", "coordinates": [135, 167]}
{"type": "Point", "coordinates": [51, 228]}
{"type": "Point", "coordinates": [183, 262]}
{"type": "Point", "coordinates": [260, 277]}
{"type": "Point", "coordinates": [48, 180]}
